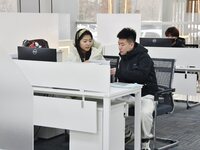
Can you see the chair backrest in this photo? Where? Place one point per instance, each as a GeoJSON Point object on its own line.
{"type": "Point", "coordinates": [164, 69]}
{"type": "Point", "coordinates": [114, 63]}
{"type": "Point", "coordinates": [32, 43]}
{"type": "Point", "coordinates": [114, 60]}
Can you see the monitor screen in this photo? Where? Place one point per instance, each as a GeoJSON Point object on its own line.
{"type": "Point", "coordinates": [39, 54]}
{"type": "Point", "coordinates": [156, 42]}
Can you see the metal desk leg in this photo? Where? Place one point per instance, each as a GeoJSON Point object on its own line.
{"type": "Point", "coordinates": [137, 127]}
{"type": "Point", "coordinates": [106, 123]}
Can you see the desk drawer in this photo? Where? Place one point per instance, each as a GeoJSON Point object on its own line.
{"type": "Point", "coordinates": [65, 114]}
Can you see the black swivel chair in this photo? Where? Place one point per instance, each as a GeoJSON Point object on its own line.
{"type": "Point", "coordinates": [29, 43]}
{"type": "Point", "coordinates": [164, 69]}
{"type": "Point", "coordinates": [114, 62]}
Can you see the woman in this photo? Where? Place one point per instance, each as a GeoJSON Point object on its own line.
{"type": "Point", "coordinates": [86, 49]}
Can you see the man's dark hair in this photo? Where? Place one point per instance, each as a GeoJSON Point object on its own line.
{"type": "Point", "coordinates": [172, 31]}
{"type": "Point", "coordinates": [127, 33]}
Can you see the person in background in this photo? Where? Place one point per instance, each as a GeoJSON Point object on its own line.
{"type": "Point", "coordinates": [85, 48]}
{"type": "Point", "coordinates": [136, 66]}
{"type": "Point", "coordinates": [173, 32]}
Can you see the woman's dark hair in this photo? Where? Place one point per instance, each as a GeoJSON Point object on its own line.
{"type": "Point", "coordinates": [127, 33]}
{"type": "Point", "coordinates": [172, 31]}
{"type": "Point", "coordinates": [79, 35]}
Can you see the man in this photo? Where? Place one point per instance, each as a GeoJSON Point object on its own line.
{"type": "Point", "coordinates": [136, 66]}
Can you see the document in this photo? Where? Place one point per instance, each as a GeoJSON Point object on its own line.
{"type": "Point", "coordinates": [123, 85]}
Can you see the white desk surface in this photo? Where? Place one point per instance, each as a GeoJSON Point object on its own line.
{"type": "Point", "coordinates": [188, 68]}
{"type": "Point", "coordinates": [115, 92]}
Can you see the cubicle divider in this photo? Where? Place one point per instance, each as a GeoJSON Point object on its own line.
{"type": "Point", "coordinates": [16, 107]}
{"type": "Point", "coordinates": [28, 26]}
{"type": "Point", "coordinates": [109, 23]}
{"type": "Point", "coordinates": [185, 57]}
{"type": "Point", "coordinates": [80, 98]}
{"type": "Point", "coordinates": [67, 75]}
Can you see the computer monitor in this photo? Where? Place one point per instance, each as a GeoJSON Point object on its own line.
{"type": "Point", "coordinates": [39, 54]}
{"type": "Point", "coordinates": [156, 42]}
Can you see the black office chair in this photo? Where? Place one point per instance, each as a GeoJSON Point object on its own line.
{"type": "Point", "coordinates": [32, 43]}
{"type": "Point", "coordinates": [114, 63]}
{"type": "Point", "coordinates": [164, 69]}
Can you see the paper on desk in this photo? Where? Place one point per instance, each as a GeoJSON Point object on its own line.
{"type": "Point", "coordinates": [123, 85]}
{"type": "Point", "coordinates": [100, 62]}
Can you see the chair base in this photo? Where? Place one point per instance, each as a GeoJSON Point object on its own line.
{"type": "Point", "coordinates": [188, 105]}
{"type": "Point", "coordinates": [170, 143]}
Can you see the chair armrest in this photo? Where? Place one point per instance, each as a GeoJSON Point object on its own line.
{"type": "Point", "coordinates": [163, 90]}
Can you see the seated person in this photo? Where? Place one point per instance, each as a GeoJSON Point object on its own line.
{"type": "Point", "coordinates": [136, 66]}
{"type": "Point", "coordinates": [85, 48]}
{"type": "Point", "coordinates": [173, 32]}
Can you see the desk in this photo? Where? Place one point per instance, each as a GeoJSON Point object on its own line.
{"type": "Point", "coordinates": [115, 92]}
{"type": "Point", "coordinates": [86, 81]}
{"type": "Point", "coordinates": [185, 82]}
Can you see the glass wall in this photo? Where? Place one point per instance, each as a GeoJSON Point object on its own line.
{"type": "Point", "coordinates": [157, 15]}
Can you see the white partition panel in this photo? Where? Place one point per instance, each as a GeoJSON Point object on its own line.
{"type": "Point", "coordinates": [16, 107]}
{"type": "Point", "coordinates": [184, 56]}
{"type": "Point", "coordinates": [109, 25]}
{"type": "Point", "coordinates": [15, 27]}
{"type": "Point", "coordinates": [111, 50]}
{"type": "Point", "coordinates": [185, 83]}
{"type": "Point", "coordinates": [80, 76]}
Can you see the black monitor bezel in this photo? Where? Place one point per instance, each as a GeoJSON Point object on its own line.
{"type": "Point", "coordinates": [37, 54]}
{"type": "Point", "coordinates": [157, 42]}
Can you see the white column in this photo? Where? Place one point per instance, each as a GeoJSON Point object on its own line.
{"type": "Point", "coordinates": [30, 6]}
{"type": "Point", "coordinates": [70, 7]}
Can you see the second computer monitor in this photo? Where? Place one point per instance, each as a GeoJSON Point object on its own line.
{"type": "Point", "coordinates": [156, 42]}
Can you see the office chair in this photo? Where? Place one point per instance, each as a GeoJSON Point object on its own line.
{"type": "Point", "coordinates": [164, 103]}
{"type": "Point", "coordinates": [32, 43]}
{"type": "Point", "coordinates": [114, 63]}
